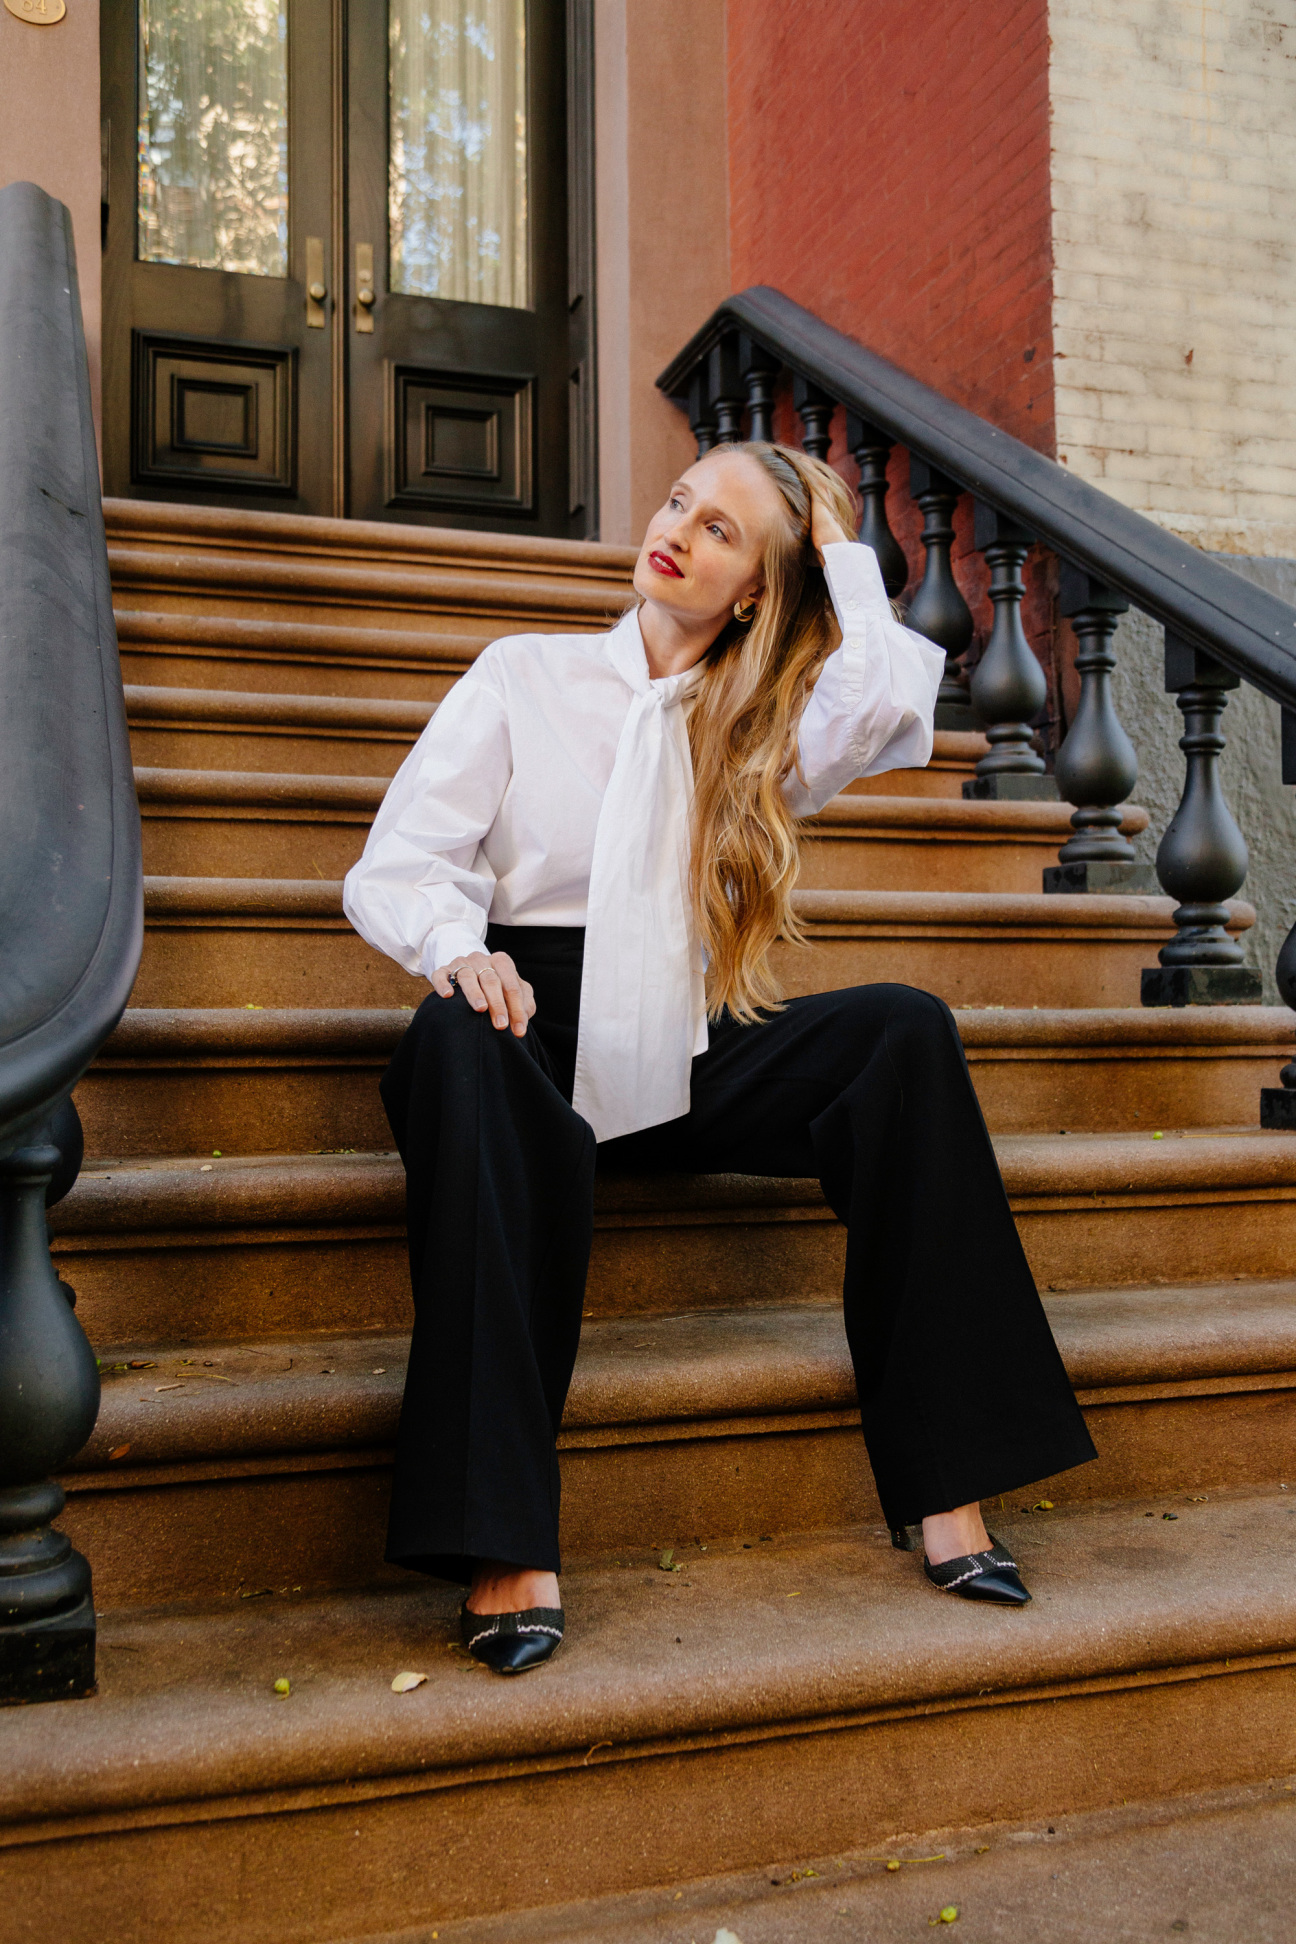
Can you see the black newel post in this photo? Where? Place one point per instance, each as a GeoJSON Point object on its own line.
{"type": "Point", "coordinates": [49, 1399]}
{"type": "Point", "coordinates": [701, 414]}
{"type": "Point", "coordinates": [816, 410]}
{"type": "Point", "coordinates": [871, 450]}
{"type": "Point", "coordinates": [759, 373]}
{"type": "Point", "coordinates": [1008, 685]}
{"type": "Point", "coordinates": [1278, 1104]}
{"type": "Point", "coordinates": [1202, 859]}
{"type": "Point", "coordinates": [726, 388]}
{"type": "Point", "coordinates": [938, 610]}
{"type": "Point", "coordinates": [1096, 767]}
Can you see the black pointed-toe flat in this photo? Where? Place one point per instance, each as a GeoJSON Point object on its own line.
{"type": "Point", "coordinates": [991, 1576]}
{"type": "Point", "coordinates": [510, 1643]}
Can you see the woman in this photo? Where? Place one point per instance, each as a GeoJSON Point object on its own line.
{"type": "Point", "coordinates": [590, 853]}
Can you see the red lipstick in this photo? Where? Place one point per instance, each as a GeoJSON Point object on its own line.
{"type": "Point", "coordinates": [664, 565]}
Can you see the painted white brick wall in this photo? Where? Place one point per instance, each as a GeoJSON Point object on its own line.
{"type": "Point", "coordinates": [1174, 235]}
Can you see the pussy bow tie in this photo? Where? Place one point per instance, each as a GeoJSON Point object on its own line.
{"type": "Point", "coordinates": [643, 1000]}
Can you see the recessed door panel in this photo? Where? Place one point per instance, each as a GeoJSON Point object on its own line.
{"type": "Point", "coordinates": [462, 442]}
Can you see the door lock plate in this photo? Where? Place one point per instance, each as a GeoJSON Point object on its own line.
{"type": "Point", "coordinates": [316, 288]}
{"type": "Point", "coordinates": [365, 294]}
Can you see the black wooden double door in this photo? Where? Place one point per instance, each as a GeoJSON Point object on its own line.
{"type": "Point", "coordinates": [337, 271]}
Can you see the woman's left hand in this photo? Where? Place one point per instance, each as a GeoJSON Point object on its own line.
{"type": "Point", "coordinates": [825, 528]}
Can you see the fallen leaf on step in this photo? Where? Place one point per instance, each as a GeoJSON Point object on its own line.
{"type": "Point", "coordinates": [666, 1563]}
{"type": "Point", "coordinates": [380, 1370]}
{"type": "Point", "coordinates": [405, 1683]}
{"type": "Point", "coordinates": [206, 1168]}
{"type": "Point", "coordinates": [282, 1687]}
{"type": "Point", "coordinates": [726, 1937]}
{"type": "Point", "coordinates": [119, 1451]}
{"type": "Point", "coordinates": [142, 1363]}
{"type": "Point", "coordinates": [162, 1387]}
{"type": "Point", "coordinates": [948, 1916]}
{"type": "Point", "coordinates": [256, 1593]}
{"type": "Point", "coordinates": [1042, 1505]}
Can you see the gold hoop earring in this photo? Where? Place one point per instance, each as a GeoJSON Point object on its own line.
{"type": "Point", "coordinates": [745, 610]}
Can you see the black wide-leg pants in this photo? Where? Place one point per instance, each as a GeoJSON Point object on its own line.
{"type": "Point", "coordinates": [962, 1392]}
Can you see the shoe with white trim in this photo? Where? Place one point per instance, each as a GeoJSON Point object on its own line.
{"type": "Point", "coordinates": [510, 1643]}
{"type": "Point", "coordinates": [990, 1576]}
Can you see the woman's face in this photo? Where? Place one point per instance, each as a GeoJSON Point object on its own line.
{"type": "Point", "coordinates": [705, 549]}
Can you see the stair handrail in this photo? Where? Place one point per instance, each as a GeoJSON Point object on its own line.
{"type": "Point", "coordinates": [1220, 628]}
{"type": "Point", "coordinates": [71, 915]}
{"type": "Point", "coordinates": [1250, 630]}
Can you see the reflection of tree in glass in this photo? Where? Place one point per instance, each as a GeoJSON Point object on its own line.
{"type": "Point", "coordinates": [457, 208]}
{"type": "Point", "coordinates": [213, 134]}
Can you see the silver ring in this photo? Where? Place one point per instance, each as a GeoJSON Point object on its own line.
{"type": "Point", "coordinates": [453, 978]}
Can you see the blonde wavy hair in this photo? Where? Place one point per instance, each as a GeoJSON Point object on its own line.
{"type": "Point", "coordinates": [743, 735]}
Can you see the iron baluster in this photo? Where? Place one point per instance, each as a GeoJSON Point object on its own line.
{"type": "Point", "coordinates": [938, 610]}
{"type": "Point", "coordinates": [1202, 858]}
{"type": "Point", "coordinates": [701, 415]}
{"type": "Point", "coordinates": [726, 388]}
{"type": "Point", "coordinates": [1096, 767]}
{"type": "Point", "coordinates": [1278, 1104]}
{"type": "Point", "coordinates": [759, 372]}
{"type": "Point", "coordinates": [816, 410]}
{"type": "Point", "coordinates": [49, 1399]}
{"type": "Point", "coordinates": [1008, 686]}
{"type": "Point", "coordinates": [871, 450]}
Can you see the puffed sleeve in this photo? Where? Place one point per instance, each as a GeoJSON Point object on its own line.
{"type": "Point", "coordinates": [872, 705]}
{"type": "Point", "coordinates": [421, 890]}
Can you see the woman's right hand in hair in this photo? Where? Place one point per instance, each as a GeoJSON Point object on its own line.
{"type": "Point", "coordinates": [489, 983]}
{"type": "Point", "coordinates": [825, 528]}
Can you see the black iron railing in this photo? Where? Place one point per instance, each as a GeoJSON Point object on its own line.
{"type": "Point", "coordinates": [1221, 630]}
{"type": "Point", "coordinates": [71, 917]}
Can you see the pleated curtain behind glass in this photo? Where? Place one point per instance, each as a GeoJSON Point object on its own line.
{"type": "Point", "coordinates": [213, 134]}
{"type": "Point", "coordinates": [458, 162]}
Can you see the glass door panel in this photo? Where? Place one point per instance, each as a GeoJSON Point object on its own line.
{"type": "Point", "coordinates": [457, 164]}
{"type": "Point", "coordinates": [212, 102]}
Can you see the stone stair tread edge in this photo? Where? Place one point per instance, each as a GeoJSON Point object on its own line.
{"type": "Point", "coordinates": [110, 1192]}
{"type": "Point", "coordinates": [653, 1659]}
{"type": "Point", "coordinates": [291, 1394]}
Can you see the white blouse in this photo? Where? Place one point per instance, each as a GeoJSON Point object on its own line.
{"type": "Point", "coordinates": [553, 787]}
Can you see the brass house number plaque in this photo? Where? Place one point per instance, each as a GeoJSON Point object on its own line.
{"type": "Point", "coordinates": [40, 13]}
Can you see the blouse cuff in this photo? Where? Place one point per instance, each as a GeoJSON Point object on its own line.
{"type": "Point", "coordinates": [855, 584]}
{"type": "Point", "coordinates": [449, 942]}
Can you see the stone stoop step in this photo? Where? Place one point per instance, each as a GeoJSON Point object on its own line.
{"type": "Point", "coordinates": [285, 942]}
{"type": "Point", "coordinates": [697, 1426]}
{"type": "Point", "coordinates": [1223, 1859]}
{"type": "Point", "coordinates": [202, 728]}
{"type": "Point", "coordinates": [276, 1245]}
{"type": "Point", "coordinates": [803, 1694]}
{"type": "Point", "coordinates": [172, 1081]}
{"type": "Point", "coordinates": [261, 823]}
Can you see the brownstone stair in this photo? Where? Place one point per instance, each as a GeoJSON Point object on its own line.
{"type": "Point", "coordinates": [751, 1671]}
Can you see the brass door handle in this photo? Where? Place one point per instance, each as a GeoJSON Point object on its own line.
{"type": "Point", "coordinates": [366, 296]}
{"type": "Point", "coordinates": [316, 288]}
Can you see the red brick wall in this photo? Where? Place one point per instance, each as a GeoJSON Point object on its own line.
{"type": "Point", "coordinates": [889, 169]}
